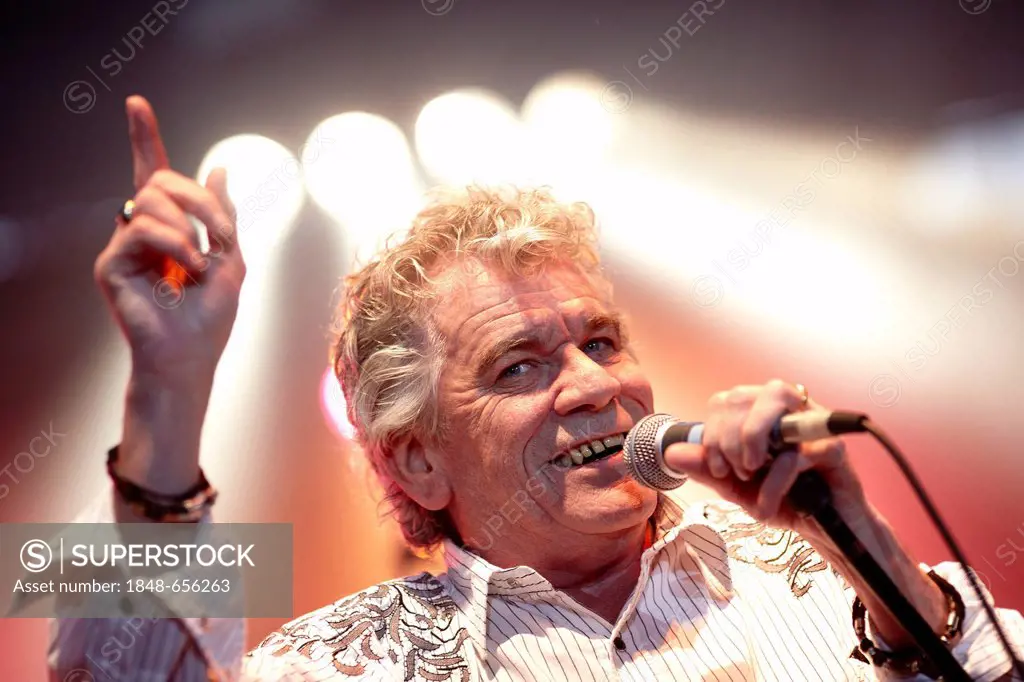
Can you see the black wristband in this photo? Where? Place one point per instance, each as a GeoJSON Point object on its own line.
{"type": "Point", "coordinates": [187, 507]}
{"type": "Point", "coordinates": [909, 661]}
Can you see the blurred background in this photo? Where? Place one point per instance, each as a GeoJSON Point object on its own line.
{"type": "Point", "coordinates": [830, 194]}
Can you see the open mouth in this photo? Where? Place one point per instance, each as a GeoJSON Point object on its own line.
{"type": "Point", "coordinates": [590, 452]}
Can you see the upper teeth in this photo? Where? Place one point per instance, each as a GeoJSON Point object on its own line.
{"type": "Point", "coordinates": [578, 454]}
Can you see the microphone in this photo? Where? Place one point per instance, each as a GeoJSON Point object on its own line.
{"type": "Point", "coordinates": [645, 444]}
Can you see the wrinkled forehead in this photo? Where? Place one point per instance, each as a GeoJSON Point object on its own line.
{"type": "Point", "coordinates": [472, 297]}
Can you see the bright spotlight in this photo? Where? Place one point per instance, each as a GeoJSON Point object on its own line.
{"type": "Point", "coordinates": [359, 168]}
{"type": "Point", "coordinates": [945, 188]}
{"type": "Point", "coordinates": [565, 116]}
{"type": "Point", "coordinates": [967, 175]}
{"type": "Point", "coordinates": [334, 407]}
{"type": "Point", "coordinates": [472, 136]}
{"type": "Point", "coordinates": [265, 184]}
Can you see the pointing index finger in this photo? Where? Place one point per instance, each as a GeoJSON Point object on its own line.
{"type": "Point", "coordinates": [148, 153]}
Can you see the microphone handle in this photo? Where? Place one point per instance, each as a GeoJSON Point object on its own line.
{"type": "Point", "coordinates": [810, 493]}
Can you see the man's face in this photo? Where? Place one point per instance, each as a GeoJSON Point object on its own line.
{"type": "Point", "coordinates": [534, 368]}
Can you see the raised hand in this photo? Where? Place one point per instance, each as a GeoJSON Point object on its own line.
{"type": "Point", "coordinates": [174, 304]}
{"type": "Point", "coordinates": [176, 332]}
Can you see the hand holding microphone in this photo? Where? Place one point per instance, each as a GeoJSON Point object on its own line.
{"type": "Point", "coordinates": [730, 452]}
{"type": "Point", "coordinates": [772, 451]}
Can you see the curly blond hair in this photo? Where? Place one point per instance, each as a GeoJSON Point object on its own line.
{"type": "Point", "coordinates": [387, 352]}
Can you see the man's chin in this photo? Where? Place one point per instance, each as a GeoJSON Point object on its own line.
{"type": "Point", "coordinates": [614, 508]}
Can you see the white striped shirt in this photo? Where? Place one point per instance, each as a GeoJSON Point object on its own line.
{"type": "Point", "coordinates": [719, 597]}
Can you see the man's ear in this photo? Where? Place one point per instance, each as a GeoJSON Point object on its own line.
{"type": "Point", "coordinates": [421, 473]}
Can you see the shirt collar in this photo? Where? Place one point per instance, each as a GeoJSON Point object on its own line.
{"type": "Point", "coordinates": [471, 580]}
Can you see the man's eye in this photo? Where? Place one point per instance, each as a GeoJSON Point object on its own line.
{"type": "Point", "coordinates": [516, 370]}
{"type": "Point", "coordinates": [599, 345]}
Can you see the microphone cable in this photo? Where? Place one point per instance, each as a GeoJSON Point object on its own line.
{"type": "Point", "coordinates": [868, 426]}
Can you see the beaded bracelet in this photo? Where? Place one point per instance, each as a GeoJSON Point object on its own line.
{"type": "Point", "coordinates": [188, 507]}
{"type": "Point", "coordinates": [909, 661]}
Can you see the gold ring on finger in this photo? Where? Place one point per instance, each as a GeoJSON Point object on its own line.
{"type": "Point", "coordinates": [127, 211]}
{"type": "Point", "coordinates": [804, 395]}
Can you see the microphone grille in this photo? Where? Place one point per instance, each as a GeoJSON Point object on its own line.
{"type": "Point", "coordinates": [640, 451]}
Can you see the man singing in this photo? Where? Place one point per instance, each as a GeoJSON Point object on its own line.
{"type": "Point", "coordinates": [488, 371]}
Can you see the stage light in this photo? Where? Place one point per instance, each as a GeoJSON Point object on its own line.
{"type": "Point", "coordinates": [359, 168]}
{"type": "Point", "coordinates": [470, 136]}
{"type": "Point", "coordinates": [945, 189]}
{"type": "Point", "coordinates": [334, 407]}
{"type": "Point", "coordinates": [852, 291]}
{"type": "Point", "coordinates": [565, 117]}
{"type": "Point", "coordinates": [265, 184]}
{"type": "Point", "coordinates": [967, 175]}
{"type": "Point", "coordinates": [729, 260]}
{"type": "Point", "coordinates": [659, 223]}
{"type": "Point", "coordinates": [570, 133]}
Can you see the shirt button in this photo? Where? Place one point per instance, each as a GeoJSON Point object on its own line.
{"type": "Point", "coordinates": [619, 644]}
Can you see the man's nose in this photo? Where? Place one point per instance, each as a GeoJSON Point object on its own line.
{"type": "Point", "coordinates": [584, 384]}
